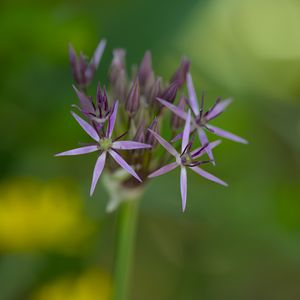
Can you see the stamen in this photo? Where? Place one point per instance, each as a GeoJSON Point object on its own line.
{"type": "Point", "coordinates": [198, 163]}
{"type": "Point", "coordinates": [200, 150]}
{"type": "Point", "coordinates": [120, 136]}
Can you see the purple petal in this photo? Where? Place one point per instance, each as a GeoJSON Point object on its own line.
{"type": "Point", "coordinates": [204, 140]}
{"type": "Point", "coordinates": [177, 137]}
{"type": "Point", "coordinates": [97, 171]}
{"type": "Point", "coordinates": [201, 150]}
{"type": "Point", "coordinates": [79, 151]}
{"type": "Point", "coordinates": [192, 95]}
{"type": "Point", "coordinates": [186, 132]}
{"type": "Point", "coordinates": [218, 109]}
{"type": "Point", "coordinates": [98, 54]}
{"type": "Point", "coordinates": [227, 135]}
{"type": "Point", "coordinates": [85, 102]}
{"type": "Point", "coordinates": [183, 187]}
{"type": "Point", "coordinates": [164, 143]}
{"type": "Point", "coordinates": [129, 145]}
{"type": "Point", "coordinates": [163, 170]}
{"type": "Point", "coordinates": [87, 127]}
{"type": "Point", "coordinates": [112, 120]}
{"type": "Point", "coordinates": [124, 164]}
{"type": "Point", "coordinates": [208, 176]}
{"type": "Point", "coordinates": [175, 109]}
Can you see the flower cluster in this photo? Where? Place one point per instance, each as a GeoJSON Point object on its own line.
{"type": "Point", "coordinates": [134, 106]}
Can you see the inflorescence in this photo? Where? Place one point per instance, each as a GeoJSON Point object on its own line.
{"type": "Point", "coordinates": [134, 107]}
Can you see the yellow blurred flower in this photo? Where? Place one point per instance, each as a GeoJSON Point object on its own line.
{"type": "Point", "coordinates": [92, 285]}
{"type": "Point", "coordinates": [37, 216]}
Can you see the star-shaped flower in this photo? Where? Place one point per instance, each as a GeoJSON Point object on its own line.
{"type": "Point", "coordinates": [105, 144]}
{"type": "Point", "coordinates": [185, 159]}
{"type": "Point", "coordinates": [200, 119]}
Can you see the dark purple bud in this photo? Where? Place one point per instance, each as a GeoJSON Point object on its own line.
{"type": "Point", "coordinates": [150, 139]}
{"type": "Point", "coordinates": [145, 72]}
{"type": "Point", "coordinates": [133, 100]}
{"type": "Point", "coordinates": [140, 133]}
{"type": "Point", "coordinates": [177, 122]}
{"type": "Point", "coordinates": [102, 103]}
{"type": "Point", "coordinates": [180, 74]}
{"type": "Point", "coordinates": [154, 91]}
{"type": "Point", "coordinates": [169, 94]}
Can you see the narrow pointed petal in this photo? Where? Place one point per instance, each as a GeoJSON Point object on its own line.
{"type": "Point", "coordinates": [227, 135]}
{"type": "Point", "coordinates": [176, 110]}
{"type": "Point", "coordinates": [186, 132]}
{"type": "Point", "coordinates": [177, 137]}
{"type": "Point", "coordinates": [97, 171]}
{"type": "Point", "coordinates": [201, 150]}
{"type": "Point", "coordinates": [129, 145]}
{"type": "Point", "coordinates": [218, 109]}
{"type": "Point", "coordinates": [112, 120]}
{"type": "Point", "coordinates": [192, 95]}
{"type": "Point", "coordinates": [85, 103]}
{"type": "Point", "coordinates": [208, 176]}
{"type": "Point", "coordinates": [87, 127]}
{"type": "Point", "coordinates": [124, 164]}
{"type": "Point", "coordinates": [183, 187]}
{"type": "Point", "coordinates": [98, 54]}
{"type": "Point", "coordinates": [204, 140]}
{"type": "Point", "coordinates": [164, 143]}
{"type": "Point", "coordinates": [165, 169]}
{"type": "Point", "coordinates": [79, 151]}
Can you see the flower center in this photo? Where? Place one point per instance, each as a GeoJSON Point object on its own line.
{"type": "Point", "coordinates": [200, 121]}
{"type": "Point", "coordinates": [105, 144]}
{"type": "Point", "coordinates": [186, 159]}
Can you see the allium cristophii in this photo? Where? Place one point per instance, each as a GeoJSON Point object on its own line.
{"type": "Point", "coordinates": [133, 106]}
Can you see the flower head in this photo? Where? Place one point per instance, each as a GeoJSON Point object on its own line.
{"type": "Point", "coordinates": [105, 145]}
{"type": "Point", "coordinates": [200, 119]}
{"type": "Point", "coordinates": [185, 159]}
{"type": "Point", "coordinates": [142, 95]}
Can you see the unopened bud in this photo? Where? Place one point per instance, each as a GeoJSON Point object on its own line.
{"type": "Point", "coordinates": [145, 72]}
{"type": "Point", "coordinates": [154, 91]}
{"type": "Point", "coordinates": [133, 100]}
{"type": "Point", "coordinates": [180, 74]}
{"type": "Point", "coordinates": [169, 94]}
{"type": "Point", "coordinates": [140, 133]}
{"type": "Point", "coordinates": [150, 139]}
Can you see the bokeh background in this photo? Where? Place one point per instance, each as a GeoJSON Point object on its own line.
{"type": "Point", "coordinates": [242, 242]}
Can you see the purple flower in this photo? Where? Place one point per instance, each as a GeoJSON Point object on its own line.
{"type": "Point", "coordinates": [200, 120]}
{"type": "Point", "coordinates": [185, 159]}
{"type": "Point", "coordinates": [105, 144]}
{"type": "Point", "coordinates": [83, 71]}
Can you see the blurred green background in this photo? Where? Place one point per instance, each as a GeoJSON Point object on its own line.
{"type": "Point", "coordinates": [242, 242]}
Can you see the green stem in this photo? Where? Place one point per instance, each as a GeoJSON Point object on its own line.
{"type": "Point", "coordinates": [126, 232]}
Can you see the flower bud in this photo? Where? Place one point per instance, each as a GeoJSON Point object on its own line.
{"type": "Point", "coordinates": [133, 100]}
{"type": "Point", "coordinates": [145, 73]}
{"type": "Point", "coordinates": [180, 74]}
{"type": "Point", "coordinates": [140, 133]}
{"type": "Point", "coordinates": [154, 91]}
{"type": "Point", "coordinates": [150, 139]}
{"type": "Point", "coordinates": [169, 94]}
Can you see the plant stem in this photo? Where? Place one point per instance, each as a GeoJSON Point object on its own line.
{"type": "Point", "coordinates": [126, 232]}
